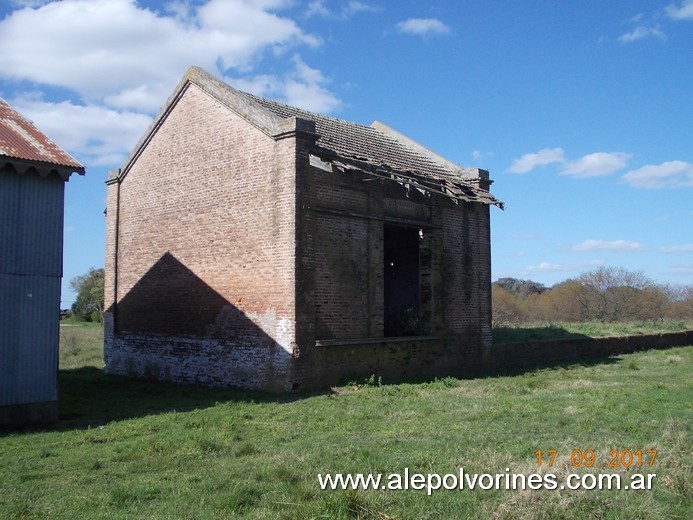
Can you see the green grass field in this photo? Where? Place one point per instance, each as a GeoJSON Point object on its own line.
{"type": "Point", "coordinates": [137, 449]}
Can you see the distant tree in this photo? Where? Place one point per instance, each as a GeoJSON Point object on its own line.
{"type": "Point", "coordinates": [506, 307]}
{"type": "Point", "coordinates": [607, 294]}
{"type": "Point", "coordinates": [680, 301]}
{"type": "Point", "coordinates": [522, 288]}
{"type": "Point", "coordinates": [89, 305]}
{"type": "Point", "coordinates": [566, 301]}
{"type": "Point", "coordinates": [612, 294]}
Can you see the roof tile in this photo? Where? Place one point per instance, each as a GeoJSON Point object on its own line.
{"type": "Point", "coordinates": [355, 140]}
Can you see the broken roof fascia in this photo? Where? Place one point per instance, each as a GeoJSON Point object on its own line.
{"type": "Point", "coordinates": [271, 125]}
{"type": "Point", "coordinates": [455, 190]}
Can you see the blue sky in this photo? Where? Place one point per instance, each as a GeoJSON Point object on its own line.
{"type": "Point", "coordinates": [581, 111]}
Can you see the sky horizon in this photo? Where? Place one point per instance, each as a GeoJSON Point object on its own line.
{"type": "Point", "coordinates": [582, 112]}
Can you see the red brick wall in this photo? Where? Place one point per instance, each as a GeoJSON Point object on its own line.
{"type": "Point", "coordinates": [341, 276]}
{"type": "Point", "coordinates": [228, 256]}
{"type": "Point", "coordinates": [466, 271]}
{"type": "Point", "coordinates": [205, 248]}
{"type": "Point", "coordinates": [341, 262]}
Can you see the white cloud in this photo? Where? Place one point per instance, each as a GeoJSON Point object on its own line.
{"type": "Point", "coordinates": [119, 61]}
{"type": "Point", "coordinates": [317, 8]}
{"type": "Point", "coordinates": [422, 26]}
{"type": "Point", "coordinates": [310, 97]}
{"type": "Point", "coordinates": [530, 161]}
{"type": "Point", "coordinates": [686, 248]}
{"type": "Point", "coordinates": [304, 87]}
{"type": "Point", "coordinates": [550, 267]}
{"type": "Point", "coordinates": [355, 7]}
{"type": "Point", "coordinates": [478, 155]}
{"type": "Point", "coordinates": [74, 127]}
{"type": "Point", "coordinates": [671, 174]}
{"type": "Point", "coordinates": [596, 164]}
{"type": "Point", "coordinates": [640, 33]}
{"type": "Point", "coordinates": [590, 165]}
{"type": "Point", "coordinates": [682, 11]}
{"type": "Point", "coordinates": [131, 57]}
{"type": "Point", "coordinates": [622, 246]}
{"type": "Point", "coordinates": [351, 8]}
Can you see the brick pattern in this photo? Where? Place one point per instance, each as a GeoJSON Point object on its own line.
{"type": "Point", "coordinates": [341, 265]}
{"type": "Point", "coordinates": [206, 227]}
{"type": "Point", "coordinates": [340, 197]}
{"type": "Point", "coordinates": [467, 274]}
{"type": "Point", "coordinates": [228, 256]}
{"type": "Point", "coordinates": [341, 275]}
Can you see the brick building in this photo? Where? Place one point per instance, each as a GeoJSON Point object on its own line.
{"type": "Point", "coordinates": [254, 244]}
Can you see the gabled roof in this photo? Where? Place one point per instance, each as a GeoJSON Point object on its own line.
{"type": "Point", "coordinates": [24, 146]}
{"type": "Point", "coordinates": [376, 143]}
{"type": "Point", "coordinates": [375, 149]}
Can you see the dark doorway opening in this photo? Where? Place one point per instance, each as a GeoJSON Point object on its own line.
{"type": "Point", "coordinates": [402, 283]}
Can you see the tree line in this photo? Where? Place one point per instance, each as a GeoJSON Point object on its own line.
{"type": "Point", "coordinates": [606, 294]}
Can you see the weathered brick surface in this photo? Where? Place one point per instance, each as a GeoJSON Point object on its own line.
{"type": "Point", "coordinates": [230, 260]}
{"type": "Point", "coordinates": [341, 265]}
{"type": "Point", "coordinates": [467, 273]}
{"type": "Point", "coordinates": [341, 274]}
{"type": "Point", "coordinates": [205, 249]}
{"type": "Point", "coordinates": [514, 356]}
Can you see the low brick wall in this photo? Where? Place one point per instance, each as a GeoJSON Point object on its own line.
{"type": "Point", "coordinates": [510, 356]}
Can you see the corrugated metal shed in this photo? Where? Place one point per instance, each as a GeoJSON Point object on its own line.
{"type": "Point", "coordinates": [20, 139]}
{"type": "Point", "coordinates": [31, 248]}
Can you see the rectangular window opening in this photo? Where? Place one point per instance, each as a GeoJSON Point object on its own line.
{"type": "Point", "coordinates": [402, 281]}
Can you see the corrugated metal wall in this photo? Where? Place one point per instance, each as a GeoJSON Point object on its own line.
{"type": "Point", "coordinates": [31, 235]}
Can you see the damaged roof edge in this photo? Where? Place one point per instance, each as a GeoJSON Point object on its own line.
{"type": "Point", "coordinates": [452, 189]}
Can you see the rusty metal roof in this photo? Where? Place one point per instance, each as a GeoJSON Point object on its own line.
{"type": "Point", "coordinates": [20, 139]}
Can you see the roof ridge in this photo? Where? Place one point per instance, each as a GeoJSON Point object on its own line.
{"type": "Point", "coordinates": [418, 147]}
{"type": "Point", "coordinates": [384, 132]}
{"type": "Point", "coordinates": [299, 109]}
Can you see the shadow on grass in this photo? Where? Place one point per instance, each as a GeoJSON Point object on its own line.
{"type": "Point", "coordinates": [89, 397]}
{"type": "Point", "coordinates": [520, 370]}
{"type": "Point", "coordinates": [521, 334]}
